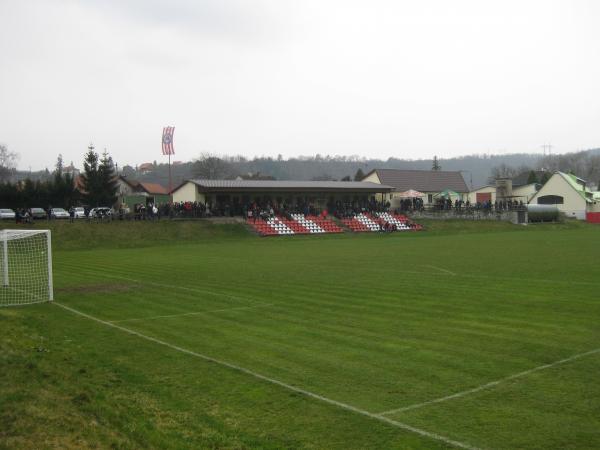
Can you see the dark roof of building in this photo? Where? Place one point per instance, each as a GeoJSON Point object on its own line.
{"type": "Point", "coordinates": [277, 185]}
{"type": "Point", "coordinates": [421, 180]}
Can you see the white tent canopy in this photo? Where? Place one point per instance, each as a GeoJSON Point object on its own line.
{"type": "Point", "coordinates": [411, 193]}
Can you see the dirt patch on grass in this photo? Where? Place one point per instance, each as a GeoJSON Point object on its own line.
{"type": "Point", "coordinates": [104, 288]}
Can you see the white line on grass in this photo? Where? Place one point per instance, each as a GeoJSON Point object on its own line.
{"type": "Point", "coordinates": [440, 269]}
{"type": "Point", "coordinates": [345, 406]}
{"type": "Point", "coordinates": [490, 384]}
{"type": "Point", "coordinates": [260, 305]}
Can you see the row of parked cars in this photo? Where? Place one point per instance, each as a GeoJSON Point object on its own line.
{"type": "Point", "coordinates": [79, 212]}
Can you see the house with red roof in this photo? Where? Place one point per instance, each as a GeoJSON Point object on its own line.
{"type": "Point", "coordinates": [131, 192]}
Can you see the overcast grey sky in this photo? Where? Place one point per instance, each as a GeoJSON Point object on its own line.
{"type": "Point", "coordinates": [376, 78]}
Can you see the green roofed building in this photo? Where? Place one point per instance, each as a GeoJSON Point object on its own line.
{"type": "Point", "coordinates": [570, 194]}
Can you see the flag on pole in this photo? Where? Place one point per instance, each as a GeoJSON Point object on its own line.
{"type": "Point", "coordinates": [167, 141]}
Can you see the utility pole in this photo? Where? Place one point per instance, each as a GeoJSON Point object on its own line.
{"type": "Point", "coordinates": [547, 147]}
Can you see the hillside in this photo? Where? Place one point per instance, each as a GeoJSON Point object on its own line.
{"type": "Point", "coordinates": [477, 168]}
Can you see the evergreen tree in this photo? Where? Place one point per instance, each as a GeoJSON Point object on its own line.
{"type": "Point", "coordinates": [359, 175]}
{"type": "Point", "coordinates": [346, 178]}
{"type": "Point", "coordinates": [59, 164]}
{"type": "Point", "coordinates": [90, 179]}
{"type": "Point", "coordinates": [532, 178]}
{"type": "Point", "coordinates": [57, 185]}
{"type": "Point", "coordinates": [436, 164]}
{"type": "Point", "coordinates": [108, 180]}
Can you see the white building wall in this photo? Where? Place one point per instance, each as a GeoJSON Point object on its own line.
{"type": "Point", "coordinates": [526, 192]}
{"type": "Point", "coordinates": [373, 178]}
{"type": "Point", "coordinates": [187, 193]}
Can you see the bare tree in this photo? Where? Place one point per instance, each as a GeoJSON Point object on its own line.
{"type": "Point", "coordinates": [8, 162]}
{"type": "Point", "coordinates": [212, 167]}
{"type": "Point", "coordinates": [584, 164]}
{"type": "Point", "coordinates": [505, 171]}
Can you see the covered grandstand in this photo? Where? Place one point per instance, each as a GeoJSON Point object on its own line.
{"type": "Point", "coordinates": [296, 207]}
{"type": "Point", "coordinates": [237, 195]}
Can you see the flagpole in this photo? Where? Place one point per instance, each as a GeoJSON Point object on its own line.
{"type": "Point", "coordinates": [170, 174]}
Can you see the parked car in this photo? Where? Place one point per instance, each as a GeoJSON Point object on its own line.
{"type": "Point", "coordinates": [102, 211]}
{"type": "Point", "coordinates": [59, 213]}
{"type": "Point", "coordinates": [7, 214]}
{"type": "Point", "coordinates": [37, 213]}
{"type": "Point", "coordinates": [80, 212]}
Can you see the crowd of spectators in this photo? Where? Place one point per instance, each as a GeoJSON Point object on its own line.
{"type": "Point", "coordinates": [22, 216]}
{"type": "Point", "coordinates": [465, 206]}
{"type": "Point", "coordinates": [343, 210]}
{"type": "Point", "coordinates": [270, 208]}
{"type": "Point", "coordinates": [410, 204]}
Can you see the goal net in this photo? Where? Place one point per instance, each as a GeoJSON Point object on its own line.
{"type": "Point", "coordinates": [25, 267]}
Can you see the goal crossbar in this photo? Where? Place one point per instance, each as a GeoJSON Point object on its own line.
{"type": "Point", "coordinates": [25, 267]}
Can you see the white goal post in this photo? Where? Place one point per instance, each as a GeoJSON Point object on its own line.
{"type": "Point", "coordinates": [25, 267]}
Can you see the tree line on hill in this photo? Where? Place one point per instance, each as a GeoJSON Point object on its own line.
{"type": "Point", "coordinates": [97, 186]}
{"type": "Point", "coordinates": [476, 169]}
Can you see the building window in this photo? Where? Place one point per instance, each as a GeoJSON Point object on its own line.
{"type": "Point", "coordinates": [550, 200]}
{"type": "Point", "coordinates": [429, 198]}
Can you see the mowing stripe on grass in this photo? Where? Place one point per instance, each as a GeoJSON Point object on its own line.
{"type": "Point", "coordinates": [174, 286]}
{"type": "Point", "coordinates": [345, 406]}
{"type": "Point", "coordinates": [490, 384]}
{"type": "Point", "coordinates": [260, 305]}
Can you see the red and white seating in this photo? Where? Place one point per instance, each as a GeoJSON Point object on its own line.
{"type": "Point", "coordinates": [317, 224]}
{"type": "Point", "coordinates": [299, 224]}
{"type": "Point", "coordinates": [310, 226]}
{"type": "Point", "coordinates": [400, 221]}
{"type": "Point", "coordinates": [270, 227]}
{"type": "Point", "coordinates": [361, 223]}
{"type": "Point", "coordinates": [365, 222]}
{"type": "Point", "coordinates": [326, 224]}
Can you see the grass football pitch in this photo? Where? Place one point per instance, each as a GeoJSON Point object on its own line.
{"type": "Point", "coordinates": [415, 340]}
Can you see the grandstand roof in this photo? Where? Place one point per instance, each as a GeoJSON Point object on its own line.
{"type": "Point", "coordinates": [277, 185]}
{"type": "Point", "coordinates": [421, 180]}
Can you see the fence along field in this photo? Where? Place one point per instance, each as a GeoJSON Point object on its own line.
{"type": "Point", "coordinates": [483, 340]}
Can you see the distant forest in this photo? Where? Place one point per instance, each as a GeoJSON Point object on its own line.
{"type": "Point", "coordinates": [477, 170]}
